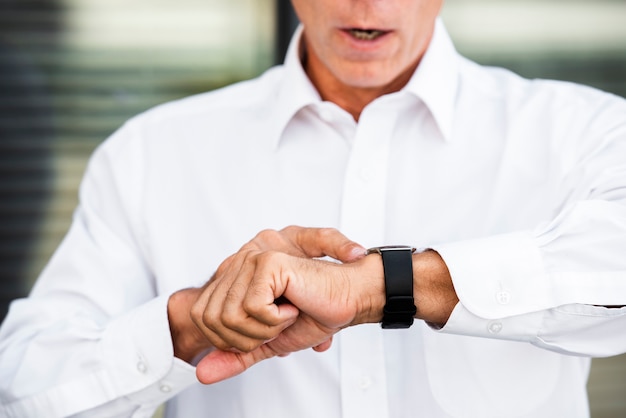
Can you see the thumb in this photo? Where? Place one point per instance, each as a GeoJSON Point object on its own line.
{"type": "Point", "coordinates": [320, 242]}
{"type": "Point", "coordinates": [221, 365]}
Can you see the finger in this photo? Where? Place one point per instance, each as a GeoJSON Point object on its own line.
{"type": "Point", "coordinates": [304, 333]}
{"type": "Point", "coordinates": [272, 240]}
{"type": "Point", "coordinates": [235, 316]}
{"type": "Point", "coordinates": [221, 365]}
{"type": "Point", "coordinates": [323, 346]}
{"type": "Point", "coordinates": [264, 299]}
{"type": "Point", "coordinates": [225, 322]}
{"type": "Point", "coordinates": [208, 308]}
{"type": "Point", "coordinates": [250, 307]}
{"type": "Point", "coordinates": [320, 242]}
{"type": "Point", "coordinates": [246, 332]}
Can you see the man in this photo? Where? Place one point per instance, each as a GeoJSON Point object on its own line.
{"type": "Point", "coordinates": [375, 127]}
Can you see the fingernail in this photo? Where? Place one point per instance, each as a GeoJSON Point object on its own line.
{"type": "Point", "coordinates": [357, 252]}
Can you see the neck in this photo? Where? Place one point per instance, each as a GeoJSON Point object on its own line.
{"type": "Point", "coordinates": [352, 99]}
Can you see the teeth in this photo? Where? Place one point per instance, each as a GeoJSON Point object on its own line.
{"type": "Point", "coordinates": [366, 35]}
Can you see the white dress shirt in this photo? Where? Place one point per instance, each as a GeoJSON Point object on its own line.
{"type": "Point", "coordinates": [520, 186]}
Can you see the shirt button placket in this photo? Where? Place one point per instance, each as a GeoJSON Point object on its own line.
{"type": "Point", "coordinates": [362, 357]}
{"type": "Point", "coordinates": [365, 382]}
{"type": "Point", "coordinates": [365, 187]}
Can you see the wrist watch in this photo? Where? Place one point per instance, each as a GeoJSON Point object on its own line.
{"type": "Point", "coordinates": [399, 310]}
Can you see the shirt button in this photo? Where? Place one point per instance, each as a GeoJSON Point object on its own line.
{"type": "Point", "coordinates": [165, 388]}
{"type": "Point", "coordinates": [141, 367]}
{"type": "Point", "coordinates": [503, 297]}
{"type": "Point", "coordinates": [365, 382]}
{"type": "Point", "coordinates": [495, 327]}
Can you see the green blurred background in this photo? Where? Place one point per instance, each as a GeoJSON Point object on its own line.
{"type": "Point", "coordinates": [72, 71]}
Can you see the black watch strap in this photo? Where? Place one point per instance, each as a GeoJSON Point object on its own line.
{"type": "Point", "coordinates": [399, 310]}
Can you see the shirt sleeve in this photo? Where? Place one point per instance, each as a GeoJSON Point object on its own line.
{"type": "Point", "coordinates": [506, 291]}
{"type": "Point", "coordinates": [94, 334]}
{"type": "Point", "coordinates": [561, 285]}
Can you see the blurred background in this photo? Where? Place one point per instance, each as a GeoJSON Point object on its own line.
{"type": "Point", "coordinates": [72, 71]}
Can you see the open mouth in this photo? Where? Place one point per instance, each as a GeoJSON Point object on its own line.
{"type": "Point", "coordinates": [366, 34]}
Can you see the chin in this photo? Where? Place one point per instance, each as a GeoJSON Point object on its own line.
{"type": "Point", "coordinates": [366, 81]}
{"type": "Point", "coordinates": [364, 76]}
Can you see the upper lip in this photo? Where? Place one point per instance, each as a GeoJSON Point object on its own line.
{"type": "Point", "coordinates": [366, 28]}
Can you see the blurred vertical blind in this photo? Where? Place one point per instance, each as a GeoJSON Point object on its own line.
{"type": "Point", "coordinates": [29, 32]}
{"type": "Point", "coordinates": [72, 71]}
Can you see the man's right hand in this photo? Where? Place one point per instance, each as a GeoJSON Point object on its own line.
{"type": "Point", "coordinates": [194, 313]}
{"type": "Point", "coordinates": [327, 297]}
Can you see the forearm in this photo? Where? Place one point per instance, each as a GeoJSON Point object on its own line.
{"type": "Point", "coordinates": [435, 296]}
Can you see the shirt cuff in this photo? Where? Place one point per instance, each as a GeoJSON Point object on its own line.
{"type": "Point", "coordinates": [499, 276]}
{"type": "Point", "coordinates": [518, 328]}
{"type": "Point", "coordinates": [138, 352]}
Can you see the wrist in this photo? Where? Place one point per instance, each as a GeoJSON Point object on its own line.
{"type": "Point", "coordinates": [434, 292]}
{"type": "Point", "coordinates": [368, 280]}
{"type": "Point", "coordinates": [397, 261]}
{"type": "Point", "coordinates": [187, 340]}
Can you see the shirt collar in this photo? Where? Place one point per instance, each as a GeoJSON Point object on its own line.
{"type": "Point", "coordinates": [435, 82]}
{"type": "Point", "coordinates": [296, 90]}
